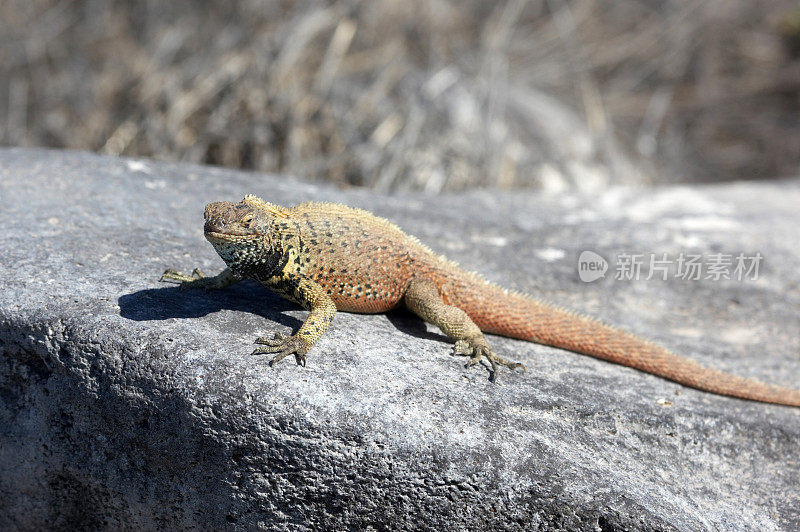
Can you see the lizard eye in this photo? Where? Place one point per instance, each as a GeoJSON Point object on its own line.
{"type": "Point", "coordinates": [247, 219]}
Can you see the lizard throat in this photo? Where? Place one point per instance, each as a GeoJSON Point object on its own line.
{"type": "Point", "coordinates": [240, 253]}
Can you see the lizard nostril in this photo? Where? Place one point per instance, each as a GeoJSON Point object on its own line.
{"type": "Point", "coordinates": [213, 225]}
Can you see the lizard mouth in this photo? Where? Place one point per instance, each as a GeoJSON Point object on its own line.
{"type": "Point", "coordinates": [222, 228]}
{"type": "Point", "coordinates": [229, 236]}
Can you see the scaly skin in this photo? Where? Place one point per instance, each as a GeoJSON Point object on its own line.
{"type": "Point", "coordinates": [328, 257]}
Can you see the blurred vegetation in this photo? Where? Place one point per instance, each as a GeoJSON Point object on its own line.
{"type": "Point", "coordinates": [414, 94]}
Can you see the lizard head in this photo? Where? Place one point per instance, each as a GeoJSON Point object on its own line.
{"type": "Point", "coordinates": [241, 232]}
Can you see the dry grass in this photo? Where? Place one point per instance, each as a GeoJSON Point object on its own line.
{"type": "Point", "coordinates": [413, 94]}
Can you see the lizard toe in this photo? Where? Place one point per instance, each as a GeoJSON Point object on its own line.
{"type": "Point", "coordinates": [173, 276]}
{"type": "Point", "coordinates": [278, 339]}
{"type": "Point", "coordinates": [267, 350]}
{"type": "Point", "coordinates": [473, 359]}
{"type": "Point", "coordinates": [282, 345]}
{"type": "Point", "coordinates": [280, 356]}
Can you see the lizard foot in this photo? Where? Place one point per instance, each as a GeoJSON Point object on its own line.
{"type": "Point", "coordinates": [199, 280]}
{"type": "Point", "coordinates": [476, 352]}
{"type": "Point", "coordinates": [284, 346]}
{"type": "Point", "coordinates": [185, 281]}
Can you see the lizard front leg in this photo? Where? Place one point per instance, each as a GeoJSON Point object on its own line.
{"type": "Point", "coordinates": [198, 279]}
{"type": "Point", "coordinates": [311, 296]}
{"type": "Point", "coordinates": [423, 299]}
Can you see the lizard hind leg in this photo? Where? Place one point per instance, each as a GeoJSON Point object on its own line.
{"type": "Point", "coordinates": [423, 299]}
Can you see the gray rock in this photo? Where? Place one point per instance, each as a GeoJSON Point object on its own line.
{"type": "Point", "coordinates": [125, 403]}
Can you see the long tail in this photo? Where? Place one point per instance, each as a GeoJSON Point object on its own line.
{"type": "Point", "coordinates": [508, 314]}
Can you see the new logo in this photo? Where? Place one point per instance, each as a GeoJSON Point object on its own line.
{"type": "Point", "coordinates": [591, 266]}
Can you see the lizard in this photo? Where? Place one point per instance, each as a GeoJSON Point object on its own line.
{"type": "Point", "coordinates": [328, 257]}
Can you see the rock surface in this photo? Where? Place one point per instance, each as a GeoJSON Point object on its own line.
{"type": "Point", "coordinates": [125, 403]}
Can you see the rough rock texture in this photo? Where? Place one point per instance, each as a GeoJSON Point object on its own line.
{"type": "Point", "coordinates": [125, 403]}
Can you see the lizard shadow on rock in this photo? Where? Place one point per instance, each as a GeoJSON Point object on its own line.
{"type": "Point", "coordinates": [406, 322]}
{"type": "Point", "coordinates": [170, 302]}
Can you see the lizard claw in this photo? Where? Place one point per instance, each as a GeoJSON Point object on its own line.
{"type": "Point", "coordinates": [476, 352]}
{"type": "Point", "coordinates": [284, 346]}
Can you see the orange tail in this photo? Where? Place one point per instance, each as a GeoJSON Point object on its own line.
{"type": "Point", "coordinates": [498, 312]}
